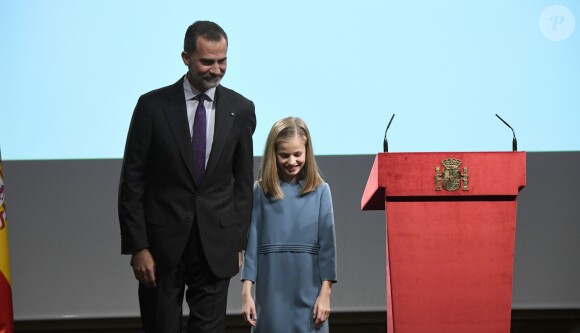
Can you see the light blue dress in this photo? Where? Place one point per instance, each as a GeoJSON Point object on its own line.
{"type": "Point", "coordinates": [291, 250]}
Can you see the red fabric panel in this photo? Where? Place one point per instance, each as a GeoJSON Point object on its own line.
{"type": "Point", "coordinates": [373, 197]}
{"type": "Point", "coordinates": [490, 174]}
{"type": "Point", "coordinates": [6, 312]}
{"type": "Point", "coordinates": [451, 265]}
{"type": "Point", "coordinates": [390, 322]}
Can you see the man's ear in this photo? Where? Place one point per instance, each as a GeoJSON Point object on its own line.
{"type": "Point", "coordinates": [185, 58]}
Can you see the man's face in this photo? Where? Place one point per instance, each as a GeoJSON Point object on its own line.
{"type": "Point", "coordinates": [207, 65]}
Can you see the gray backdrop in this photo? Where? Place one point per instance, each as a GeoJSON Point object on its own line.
{"type": "Point", "coordinates": [65, 244]}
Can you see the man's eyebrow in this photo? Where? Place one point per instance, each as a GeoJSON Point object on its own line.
{"type": "Point", "coordinates": [212, 59]}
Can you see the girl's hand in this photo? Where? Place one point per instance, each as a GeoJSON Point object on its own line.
{"type": "Point", "coordinates": [248, 305]}
{"type": "Point", "coordinates": [321, 310]}
{"type": "Point", "coordinates": [249, 310]}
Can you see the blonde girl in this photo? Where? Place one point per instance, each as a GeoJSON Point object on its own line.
{"type": "Point", "coordinates": [291, 251]}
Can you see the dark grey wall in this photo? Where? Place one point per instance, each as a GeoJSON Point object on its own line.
{"type": "Point", "coordinates": [65, 251]}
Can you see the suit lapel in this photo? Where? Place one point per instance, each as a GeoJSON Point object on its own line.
{"type": "Point", "coordinates": [176, 114]}
{"type": "Point", "coordinates": [224, 118]}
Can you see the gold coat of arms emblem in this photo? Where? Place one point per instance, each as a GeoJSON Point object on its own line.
{"type": "Point", "coordinates": [451, 177]}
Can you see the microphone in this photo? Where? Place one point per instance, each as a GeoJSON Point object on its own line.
{"type": "Point", "coordinates": [515, 141]}
{"type": "Point", "coordinates": [385, 142]}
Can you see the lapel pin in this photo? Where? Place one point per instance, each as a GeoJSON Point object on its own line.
{"type": "Point", "coordinates": [232, 114]}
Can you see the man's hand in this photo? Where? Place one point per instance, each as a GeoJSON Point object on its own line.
{"type": "Point", "coordinates": [144, 267]}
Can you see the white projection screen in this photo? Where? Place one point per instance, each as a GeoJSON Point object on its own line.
{"type": "Point", "coordinates": [72, 71]}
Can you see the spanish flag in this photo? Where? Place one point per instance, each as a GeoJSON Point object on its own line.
{"type": "Point", "coordinates": [6, 311]}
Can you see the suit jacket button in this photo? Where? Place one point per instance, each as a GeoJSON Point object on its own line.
{"type": "Point", "coordinates": [189, 220]}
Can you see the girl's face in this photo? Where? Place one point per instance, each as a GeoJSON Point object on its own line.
{"type": "Point", "coordinates": [290, 158]}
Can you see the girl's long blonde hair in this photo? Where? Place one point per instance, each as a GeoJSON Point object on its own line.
{"type": "Point", "coordinates": [282, 131]}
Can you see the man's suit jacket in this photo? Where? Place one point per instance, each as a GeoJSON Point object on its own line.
{"type": "Point", "coordinates": [158, 196]}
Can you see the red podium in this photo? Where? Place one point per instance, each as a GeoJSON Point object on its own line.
{"type": "Point", "coordinates": [451, 221]}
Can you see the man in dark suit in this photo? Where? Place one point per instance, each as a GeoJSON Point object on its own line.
{"type": "Point", "coordinates": [185, 195]}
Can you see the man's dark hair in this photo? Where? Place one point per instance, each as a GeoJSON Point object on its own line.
{"type": "Point", "coordinates": [206, 29]}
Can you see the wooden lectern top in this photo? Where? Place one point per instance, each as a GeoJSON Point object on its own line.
{"type": "Point", "coordinates": [443, 175]}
